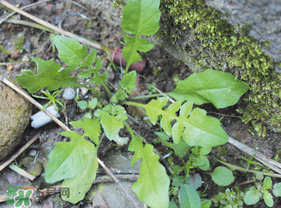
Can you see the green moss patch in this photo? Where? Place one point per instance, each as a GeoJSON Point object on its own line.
{"type": "Point", "coordinates": [207, 40]}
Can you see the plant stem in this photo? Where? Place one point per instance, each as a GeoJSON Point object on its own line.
{"type": "Point", "coordinates": [133, 103]}
{"type": "Point", "coordinates": [127, 69]}
{"type": "Point", "coordinates": [145, 96]}
{"type": "Point", "coordinates": [102, 82]}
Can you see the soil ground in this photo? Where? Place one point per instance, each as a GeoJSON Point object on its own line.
{"type": "Point", "coordinates": [161, 69]}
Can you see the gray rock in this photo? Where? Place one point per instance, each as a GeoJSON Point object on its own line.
{"type": "Point", "coordinates": [263, 16]}
{"type": "Point", "coordinates": [69, 94]}
{"type": "Point", "coordinates": [14, 116]}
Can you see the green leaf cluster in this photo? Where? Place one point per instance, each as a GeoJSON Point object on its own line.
{"type": "Point", "coordinates": [253, 195]}
{"type": "Point", "coordinates": [140, 17]}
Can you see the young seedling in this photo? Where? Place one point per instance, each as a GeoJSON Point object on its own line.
{"type": "Point", "coordinates": [52, 99]}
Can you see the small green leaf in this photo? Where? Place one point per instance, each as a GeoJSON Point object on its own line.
{"type": "Point", "coordinates": [128, 82]}
{"type": "Point", "coordinates": [152, 187]}
{"type": "Point", "coordinates": [277, 189]}
{"type": "Point", "coordinates": [202, 162]}
{"type": "Point", "coordinates": [189, 198]}
{"type": "Point", "coordinates": [259, 176]}
{"type": "Point", "coordinates": [210, 86]}
{"type": "Point", "coordinates": [93, 103]}
{"type": "Point", "coordinates": [181, 149]}
{"type": "Point", "coordinates": [68, 158]}
{"type": "Point", "coordinates": [50, 75]}
{"type": "Point", "coordinates": [112, 117]}
{"type": "Point", "coordinates": [91, 128]}
{"type": "Point", "coordinates": [80, 184]}
{"type": "Point", "coordinates": [178, 180]}
{"type": "Point", "coordinates": [206, 203]}
{"type": "Point", "coordinates": [82, 104]}
{"type": "Point", "coordinates": [252, 196]}
{"type": "Point", "coordinates": [70, 51]}
{"type": "Point", "coordinates": [195, 181]}
{"type": "Point", "coordinates": [201, 150]}
{"type": "Point", "coordinates": [268, 199]}
{"type": "Point", "coordinates": [267, 183]}
{"type": "Point", "coordinates": [90, 59]}
{"type": "Point", "coordinates": [222, 176]}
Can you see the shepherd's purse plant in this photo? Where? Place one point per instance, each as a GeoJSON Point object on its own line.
{"type": "Point", "coordinates": [187, 130]}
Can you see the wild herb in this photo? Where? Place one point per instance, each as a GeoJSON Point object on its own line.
{"type": "Point", "coordinates": [193, 133]}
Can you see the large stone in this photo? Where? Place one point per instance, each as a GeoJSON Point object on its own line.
{"type": "Point", "coordinates": [14, 118]}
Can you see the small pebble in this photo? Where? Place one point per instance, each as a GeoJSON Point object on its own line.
{"type": "Point", "coordinates": [41, 118]}
{"type": "Point", "coordinates": [83, 91]}
{"type": "Point", "coordinates": [69, 94]}
{"type": "Point", "coordinates": [27, 47]}
{"type": "Point", "coordinates": [32, 153]}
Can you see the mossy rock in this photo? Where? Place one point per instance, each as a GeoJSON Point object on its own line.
{"type": "Point", "coordinates": [14, 116]}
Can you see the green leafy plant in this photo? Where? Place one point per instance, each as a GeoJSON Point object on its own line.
{"type": "Point", "coordinates": [52, 99]}
{"type": "Point", "coordinates": [229, 199]}
{"type": "Point", "coordinates": [92, 104]}
{"type": "Point", "coordinates": [253, 195]}
{"type": "Point", "coordinates": [192, 132]}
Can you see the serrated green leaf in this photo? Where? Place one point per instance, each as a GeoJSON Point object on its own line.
{"type": "Point", "coordinates": [277, 189]}
{"type": "Point", "coordinates": [79, 185]}
{"type": "Point", "coordinates": [70, 51]}
{"type": "Point", "coordinates": [169, 116]}
{"type": "Point", "coordinates": [267, 183]}
{"type": "Point", "coordinates": [112, 117]}
{"type": "Point", "coordinates": [68, 158]}
{"type": "Point", "coordinates": [189, 198]}
{"type": "Point", "coordinates": [153, 106]}
{"type": "Point", "coordinates": [252, 196]}
{"type": "Point", "coordinates": [90, 71]}
{"type": "Point", "coordinates": [140, 17]}
{"type": "Point", "coordinates": [91, 128]}
{"type": "Point", "coordinates": [82, 104]}
{"type": "Point", "coordinates": [50, 75]}
{"type": "Point", "coordinates": [210, 86]}
{"type": "Point", "coordinates": [200, 129]}
{"type": "Point", "coordinates": [222, 176]}
{"type": "Point", "coordinates": [127, 85]}
{"type": "Point", "coordinates": [195, 181]}
{"type": "Point", "coordinates": [152, 187]}
{"type": "Point", "coordinates": [268, 199]}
